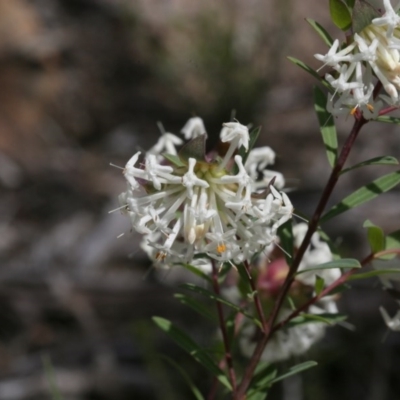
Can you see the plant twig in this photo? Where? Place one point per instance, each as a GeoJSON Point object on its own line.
{"type": "Point", "coordinates": [225, 338]}
{"type": "Point", "coordinates": [256, 298]}
{"type": "Point", "coordinates": [312, 227]}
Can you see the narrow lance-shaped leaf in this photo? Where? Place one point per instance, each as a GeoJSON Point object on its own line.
{"type": "Point", "coordinates": [364, 194]}
{"type": "Point", "coordinates": [321, 31]}
{"type": "Point", "coordinates": [311, 71]}
{"type": "Point", "coordinates": [285, 233]}
{"type": "Point", "coordinates": [376, 237]}
{"type": "Point", "coordinates": [384, 160]}
{"type": "Point", "coordinates": [340, 14]}
{"type": "Point", "coordinates": [184, 341]}
{"type": "Point", "coordinates": [389, 120]}
{"type": "Point", "coordinates": [295, 370]}
{"type": "Point", "coordinates": [373, 273]}
{"type": "Point", "coordinates": [196, 392]}
{"type": "Point", "coordinates": [196, 271]}
{"type": "Point", "coordinates": [213, 296]}
{"type": "Point", "coordinates": [174, 159]}
{"type": "Point", "coordinates": [345, 263]}
{"type": "Point", "coordinates": [326, 126]}
{"type": "Point", "coordinates": [261, 381]}
{"type": "Point", "coordinates": [197, 306]}
{"type": "Point", "coordinates": [326, 318]}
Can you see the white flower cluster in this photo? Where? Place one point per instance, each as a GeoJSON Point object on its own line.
{"type": "Point", "coordinates": [317, 253]}
{"type": "Point", "coordinates": [288, 342]}
{"type": "Point", "coordinates": [390, 282]}
{"type": "Point", "coordinates": [294, 341]}
{"type": "Point", "coordinates": [374, 51]}
{"type": "Point", "coordinates": [190, 209]}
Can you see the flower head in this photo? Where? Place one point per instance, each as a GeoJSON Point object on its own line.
{"type": "Point", "coordinates": [373, 54]}
{"type": "Point", "coordinates": [187, 206]}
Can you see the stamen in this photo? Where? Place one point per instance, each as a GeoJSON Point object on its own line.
{"type": "Point", "coordinates": [119, 208]}
{"type": "Point", "coordinates": [161, 256]}
{"type": "Point", "coordinates": [116, 166]}
{"type": "Point", "coordinates": [221, 248]}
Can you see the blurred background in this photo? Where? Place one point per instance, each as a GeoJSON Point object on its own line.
{"type": "Point", "coordinates": [82, 84]}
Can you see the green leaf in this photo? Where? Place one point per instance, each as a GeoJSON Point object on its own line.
{"type": "Point", "coordinates": [321, 31]}
{"type": "Point", "coordinates": [174, 159]}
{"type": "Point", "coordinates": [373, 273]}
{"type": "Point", "coordinates": [244, 283]}
{"type": "Point", "coordinates": [376, 237]}
{"type": "Point", "coordinates": [195, 271]}
{"type": "Point", "coordinates": [319, 285]}
{"type": "Point", "coordinates": [196, 392]}
{"type": "Point", "coordinates": [384, 160]}
{"type": "Point", "coordinates": [389, 120]}
{"type": "Point", "coordinates": [245, 153]}
{"type": "Point", "coordinates": [339, 289]}
{"type": "Point", "coordinates": [196, 148]}
{"type": "Point", "coordinates": [184, 341]}
{"type": "Point", "coordinates": [350, 3]}
{"type": "Point", "coordinates": [214, 297]}
{"type": "Point", "coordinates": [326, 318]}
{"type": "Point", "coordinates": [261, 381]}
{"type": "Point", "coordinates": [363, 14]}
{"type": "Point", "coordinates": [197, 289]}
{"type": "Point", "coordinates": [310, 71]}
{"type": "Point", "coordinates": [340, 14]}
{"type": "Point", "coordinates": [364, 194]}
{"type": "Point", "coordinates": [344, 263]}
{"type": "Point", "coordinates": [392, 242]}
{"type": "Point", "coordinates": [295, 370]}
{"type": "Point", "coordinates": [285, 233]}
{"type": "Point", "coordinates": [197, 306]}
{"type": "Point", "coordinates": [326, 126]}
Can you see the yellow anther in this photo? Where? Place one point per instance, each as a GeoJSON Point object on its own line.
{"type": "Point", "coordinates": [161, 256]}
{"type": "Point", "coordinates": [221, 248]}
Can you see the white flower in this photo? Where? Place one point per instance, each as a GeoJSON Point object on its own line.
{"type": "Point", "coordinates": [376, 48]}
{"type": "Point", "coordinates": [194, 127]}
{"type": "Point", "coordinates": [334, 58]}
{"type": "Point", "coordinates": [238, 135]}
{"type": "Point", "coordinates": [390, 19]}
{"type": "Point", "coordinates": [166, 142]}
{"type": "Point", "coordinates": [234, 131]}
{"type": "Point", "coordinates": [391, 323]}
{"type": "Point", "coordinates": [190, 179]}
{"type": "Point", "coordinates": [288, 342]}
{"type": "Point", "coordinates": [257, 161]}
{"type": "Point", "coordinates": [317, 253]}
{"type": "Point", "coordinates": [201, 208]}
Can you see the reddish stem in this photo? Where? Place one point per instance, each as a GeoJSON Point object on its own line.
{"type": "Point", "coordinates": [341, 280]}
{"type": "Point", "coordinates": [312, 227]}
{"type": "Point", "coordinates": [225, 338]}
{"type": "Point", "coordinates": [256, 299]}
